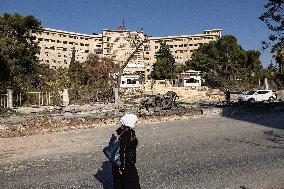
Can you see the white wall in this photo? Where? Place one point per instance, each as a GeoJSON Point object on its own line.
{"type": "Point", "coordinates": [185, 79]}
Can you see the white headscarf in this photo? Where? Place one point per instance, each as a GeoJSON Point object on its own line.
{"type": "Point", "coordinates": [129, 120]}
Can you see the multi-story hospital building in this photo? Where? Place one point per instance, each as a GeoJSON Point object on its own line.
{"type": "Point", "coordinates": [57, 46]}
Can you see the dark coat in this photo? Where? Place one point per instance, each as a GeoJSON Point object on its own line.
{"type": "Point", "coordinates": [129, 178]}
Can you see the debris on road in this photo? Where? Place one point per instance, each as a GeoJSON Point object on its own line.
{"type": "Point", "coordinates": [81, 117]}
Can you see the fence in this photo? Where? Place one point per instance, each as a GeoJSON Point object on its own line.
{"type": "Point", "coordinates": [17, 100]}
{"type": "Point", "coordinates": [12, 99]}
{"type": "Point", "coordinates": [38, 98]}
{"type": "Point", "coordinates": [3, 100]}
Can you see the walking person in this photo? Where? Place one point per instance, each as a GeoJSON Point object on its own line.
{"type": "Point", "coordinates": [228, 97]}
{"type": "Point", "coordinates": [125, 176]}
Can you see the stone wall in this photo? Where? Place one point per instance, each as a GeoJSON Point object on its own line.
{"type": "Point", "coordinates": [187, 94]}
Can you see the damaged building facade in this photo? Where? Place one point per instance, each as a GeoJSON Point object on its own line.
{"type": "Point", "coordinates": [57, 46]}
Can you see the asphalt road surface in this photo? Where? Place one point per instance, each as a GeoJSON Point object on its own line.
{"type": "Point", "coordinates": [212, 152]}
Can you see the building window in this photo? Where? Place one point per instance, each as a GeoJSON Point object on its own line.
{"type": "Point", "coordinates": [54, 61]}
{"type": "Point", "coordinates": [64, 42]}
{"type": "Point", "coordinates": [191, 80]}
{"type": "Point", "coordinates": [146, 48]}
{"type": "Point", "coordinates": [156, 47]}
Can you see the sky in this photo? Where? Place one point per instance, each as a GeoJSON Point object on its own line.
{"type": "Point", "coordinates": [157, 17]}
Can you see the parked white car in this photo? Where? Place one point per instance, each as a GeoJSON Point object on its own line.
{"type": "Point", "coordinates": [258, 96]}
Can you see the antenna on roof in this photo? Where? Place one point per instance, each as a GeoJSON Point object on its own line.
{"type": "Point", "coordinates": [122, 27]}
{"type": "Point", "coordinates": [123, 24]}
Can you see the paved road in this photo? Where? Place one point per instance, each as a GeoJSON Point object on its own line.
{"type": "Point", "coordinates": [214, 152]}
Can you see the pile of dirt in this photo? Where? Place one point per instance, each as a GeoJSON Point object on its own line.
{"type": "Point", "coordinates": [48, 124]}
{"type": "Point", "coordinates": [42, 124]}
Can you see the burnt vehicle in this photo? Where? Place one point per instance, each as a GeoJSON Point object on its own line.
{"type": "Point", "coordinates": [160, 102]}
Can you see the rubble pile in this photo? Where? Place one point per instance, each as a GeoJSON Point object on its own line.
{"type": "Point", "coordinates": [82, 117]}
{"type": "Point", "coordinates": [189, 94]}
{"type": "Point", "coordinates": [48, 119]}
{"type": "Point", "coordinates": [5, 112]}
{"type": "Point", "coordinates": [49, 124]}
